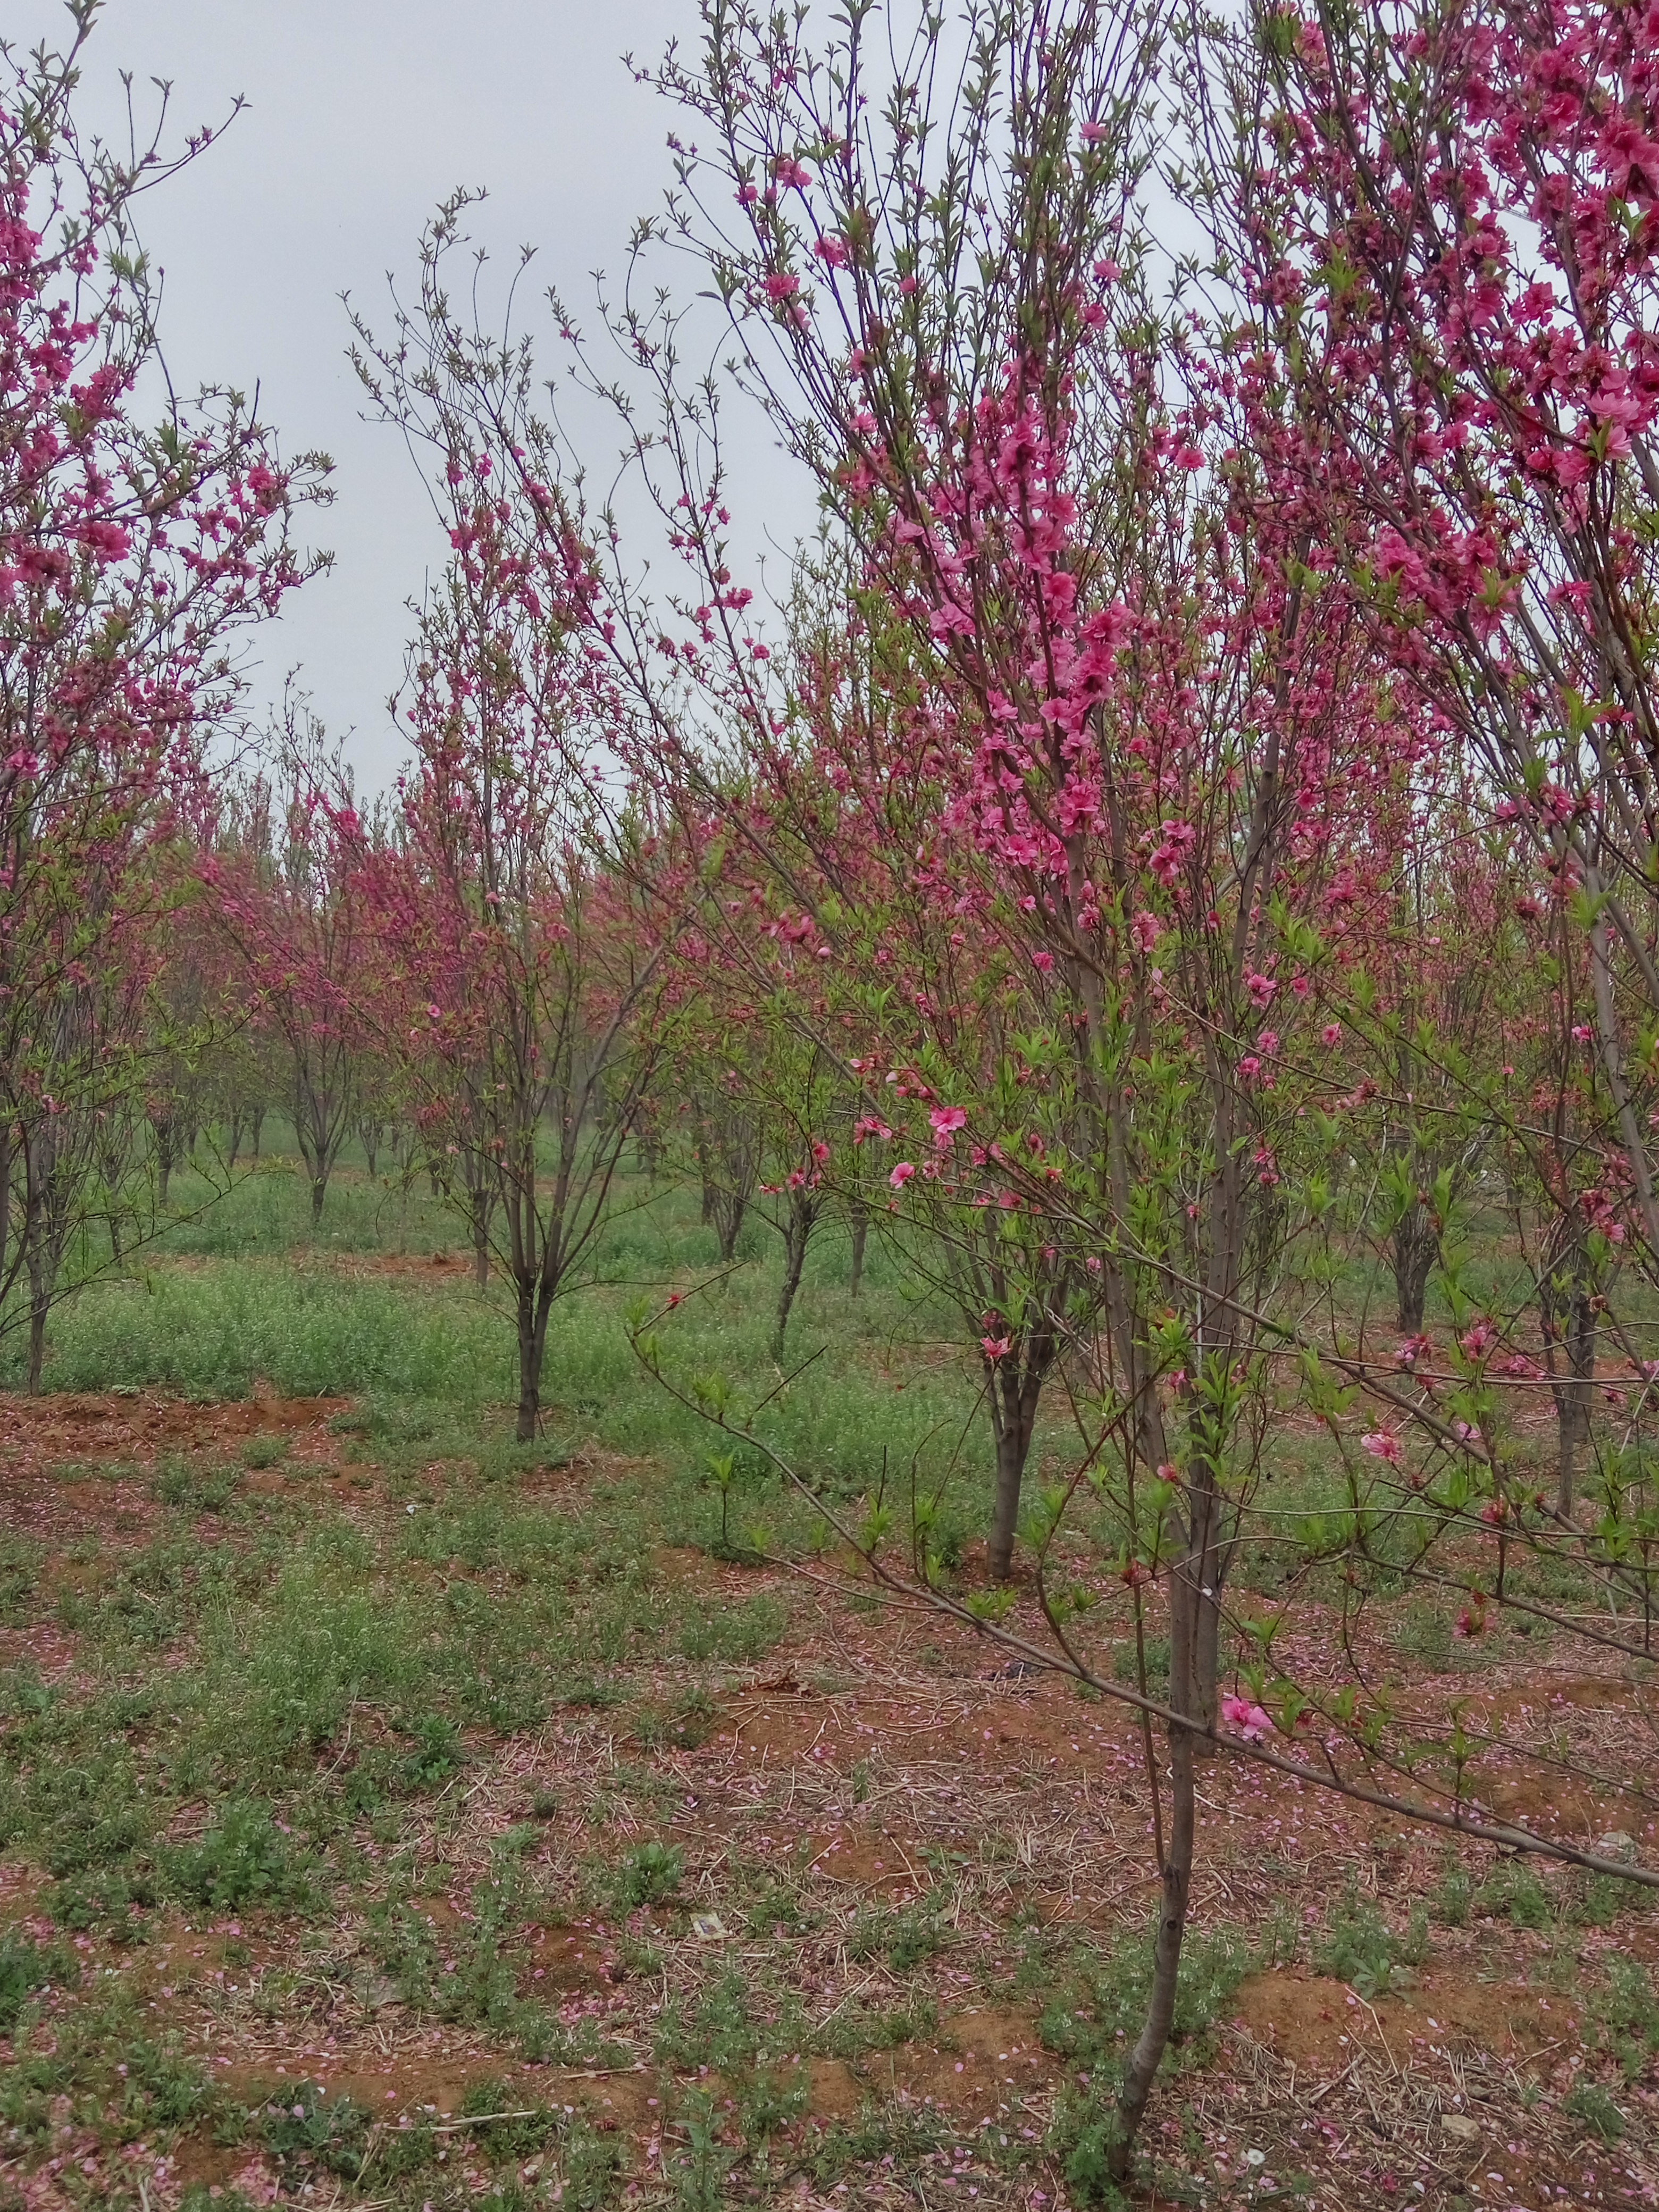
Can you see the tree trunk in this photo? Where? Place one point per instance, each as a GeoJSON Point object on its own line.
{"type": "Point", "coordinates": [5, 1203]}
{"type": "Point", "coordinates": [1013, 1401]}
{"type": "Point", "coordinates": [163, 1158]}
{"type": "Point", "coordinates": [802, 1214]}
{"type": "Point", "coordinates": [1195, 1665]}
{"type": "Point", "coordinates": [235, 1139]}
{"type": "Point", "coordinates": [727, 1215]}
{"type": "Point", "coordinates": [1188, 1699]}
{"type": "Point", "coordinates": [861, 1232]}
{"type": "Point", "coordinates": [42, 1250]}
{"type": "Point", "coordinates": [535, 1303]}
{"type": "Point", "coordinates": [1416, 1248]}
{"type": "Point", "coordinates": [711, 1193]}
{"type": "Point", "coordinates": [319, 1192]}
{"type": "Point", "coordinates": [257, 1123]}
{"type": "Point", "coordinates": [1177, 1882]}
{"type": "Point", "coordinates": [480, 1247]}
{"type": "Point", "coordinates": [1567, 1314]}
{"type": "Point", "coordinates": [39, 1307]}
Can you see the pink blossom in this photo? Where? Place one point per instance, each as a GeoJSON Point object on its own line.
{"type": "Point", "coordinates": [901, 1173]}
{"type": "Point", "coordinates": [1252, 1721]}
{"type": "Point", "coordinates": [1381, 1445]}
{"type": "Point", "coordinates": [946, 1120]}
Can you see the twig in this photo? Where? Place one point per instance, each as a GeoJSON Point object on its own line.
{"type": "Point", "coordinates": [1335, 2082]}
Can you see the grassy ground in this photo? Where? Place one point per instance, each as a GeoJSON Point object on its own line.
{"type": "Point", "coordinates": [392, 1816]}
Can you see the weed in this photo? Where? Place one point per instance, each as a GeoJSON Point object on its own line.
{"type": "Point", "coordinates": [1103, 2006]}
{"type": "Point", "coordinates": [1589, 2102]}
{"type": "Point", "coordinates": [852, 2030]}
{"type": "Point", "coordinates": [720, 2029]}
{"type": "Point", "coordinates": [1515, 1894]}
{"type": "Point", "coordinates": [1627, 2012]}
{"type": "Point", "coordinates": [20, 1574]}
{"type": "Point", "coordinates": [261, 1452]}
{"type": "Point", "coordinates": [1357, 1946]}
{"type": "Point", "coordinates": [776, 1907]}
{"type": "Point", "coordinates": [698, 2173]}
{"type": "Point", "coordinates": [25, 1967]}
{"type": "Point", "coordinates": [771, 2101]}
{"type": "Point", "coordinates": [904, 1937]}
{"type": "Point", "coordinates": [1601, 1898]}
{"type": "Point", "coordinates": [1125, 1664]}
{"type": "Point", "coordinates": [161, 2089]}
{"type": "Point", "coordinates": [1424, 1632]}
{"type": "Point", "coordinates": [648, 1875]}
{"type": "Point", "coordinates": [686, 1727]}
{"type": "Point", "coordinates": [244, 1858]}
{"type": "Point", "coordinates": [1086, 2134]}
{"type": "Point", "coordinates": [1449, 1904]}
{"type": "Point", "coordinates": [737, 1635]}
{"type": "Point", "coordinates": [437, 1754]}
{"type": "Point", "coordinates": [303, 2129]}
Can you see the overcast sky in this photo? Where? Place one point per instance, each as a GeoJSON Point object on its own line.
{"type": "Point", "coordinates": [362, 115]}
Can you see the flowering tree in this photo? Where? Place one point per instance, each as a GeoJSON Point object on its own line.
{"type": "Point", "coordinates": [283, 876]}
{"type": "Point", "coordinates": [1157, 737]}
{"type": "Point", "coordinates": [532, 904]}
{"type": "Point", "coordinates": [1444, 231]}
{"type": "Point", "coordinates": [128, 554]}
{"type": "Point", "coordinates": [1099, 873]}
{"type": "Point", "coordinates": [1146, 728]}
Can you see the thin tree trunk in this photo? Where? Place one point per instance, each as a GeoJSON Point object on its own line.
{"type": "Point", "coordinates": [5, 1201]}
{"type": "Point", "coordinates": [235, 1138]}
{"type": "Point", "coordinates": [318, 1193]}
{"type": "Point", "coordinates": [36, 1259]}
{"type": "Point", "coordinates": [1567, 1315]}
{"type": "Point", "coordinates": [1416, 1247]}
{"type": "Point", "coordinates": [535, 1303]}
{"type": "Point", "coordinates": [1013, 1417]}
{"type": "Point", "coordinates": [480, 1243]}
{"type": "Point", "coordinates": [802, 1214]}
{"type": "Point", "coordinates": [1176, 1892]}
{"type": "Point", "coordinates": [860, 1218]}
{"type": "Point", "coordinates": [1200, 1575]}
{"type": "Point", "coordinates": [164, 1152]}
{"type": "Point", "coordinates": [729, 1208]}
{"type": "Point", "coordinates": [706, 1169]}
{"type": "Point", "coordinates": [39, 1307]}
{"type": "Point", "coordinates": [258, 1123]}
{"type": "Point", "coordinates": [41, 1261]}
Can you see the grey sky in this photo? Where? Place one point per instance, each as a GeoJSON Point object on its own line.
{"type": "Point", "coordinates": [364, 114]}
